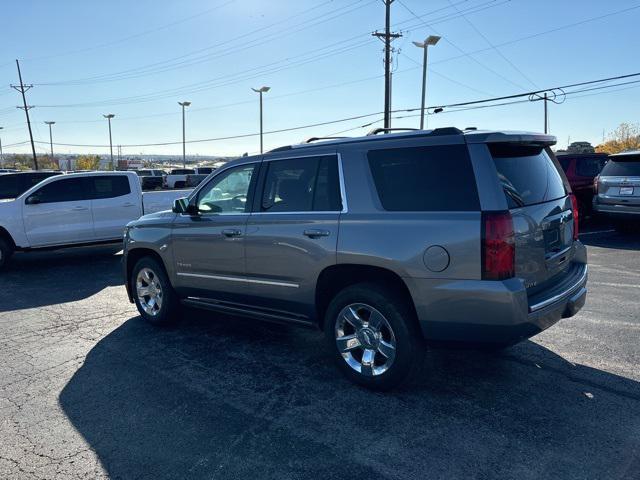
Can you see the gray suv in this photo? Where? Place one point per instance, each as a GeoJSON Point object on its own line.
{"type": "Point", "coordinates": [617, 192]}
{"type": "Point", "coordinates": [382, 241]}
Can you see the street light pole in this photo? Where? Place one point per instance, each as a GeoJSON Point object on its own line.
{"type": "Point", "coordinates": [50, 137]}
{"type": "Point", "coordinates": [184, 149]}
{"type": "Point", "coordinates": [109, 116]}
{"type": "Point", "coordinates": [431, 40]}
{"type": "Point", "coordinates": [1, 155]}
{"type": "Point", "coordinates": [261, 90]}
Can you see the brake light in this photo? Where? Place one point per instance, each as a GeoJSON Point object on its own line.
{"type": "Point", "coordinates": [595, 185]}
{"type": "Point", "coordinates": [574, 209]}
{"type": "Point", "coordinates": [498, 246]}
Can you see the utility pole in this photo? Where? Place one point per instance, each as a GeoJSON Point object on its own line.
{"type": "Point", "coordinates": [109, 116]}
{"type": "Point", "coordinates": [50, 137]}
{"type": "Point", "coordinates": [184, 141]}
{"type": "Point", "coordinates": [388, 37]}
{"type": "Point", "coordinates": [1, 155]}
{"type": "Point", "coordinates": [260, 91]}
{"type": "Point", "coordinates": [22, 88]}
{"type": "Point", "coordinates": [546, 114]}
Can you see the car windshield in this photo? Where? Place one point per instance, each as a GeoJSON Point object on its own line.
{"type": "Point", "coordinates": [622, 166]}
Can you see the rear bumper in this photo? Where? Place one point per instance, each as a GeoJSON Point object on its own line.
{"type": "Point", "coordinates": [617, 210]}
{"type": "Point", "coordinates": [492, 312]}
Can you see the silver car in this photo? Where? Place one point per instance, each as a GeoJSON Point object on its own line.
{"type": "Point", "coordinates": [618, 190]}
{"type": "Point", "coordinates": [382, 241]}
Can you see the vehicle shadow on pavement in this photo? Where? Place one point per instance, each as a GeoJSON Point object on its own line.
{"type": "Point", "coordinates": [612, 239]}
{"type": "Point", "coordinates": [231, 398]}
{"type": "Point", "coordinates": [37, 279]}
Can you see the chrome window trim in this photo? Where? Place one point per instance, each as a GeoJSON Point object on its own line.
{"type": "Point", "coordinates": [343, 192]}
{"type": "Point", "coordinates": [240, 279]}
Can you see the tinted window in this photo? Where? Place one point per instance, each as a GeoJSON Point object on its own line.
{"type": "Point", "coordinates": [527, 173]}
{"type": "Point", "coordinates": [205, 170]}
{"type": "Point", "coordinates": [10, 186]}
{"type": "Point", "coordinates": [63, 190]}
{"type": "Point", "coordinates": [590, 166]}
{"type": "Point", "coordinates": [109, 186]}
{"type": "Point", "coordinates": [227, 192]}
{"type": "Point", "coordinates": [183, 171]}
{"type": "Point", "coordinates": [302, 185]}
{"type": "Point", "coordinates": [438, 178]}
{"type": "Point", "coordinates": [564, 163]}
{"type": "Point", "coordinates": [622, 166]}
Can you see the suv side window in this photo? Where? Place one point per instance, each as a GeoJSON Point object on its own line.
{"type": "Point", "coordinates": [308, 184]}
{"type": "Point", "coordinates": [62, 190]}
{"type": "Point", "coordinates": [589, 167]}
{"type": "Point", "coordinates": [228, 192]}
{"type": "Point", "coordinates": [109, 186]}
{"type": "Point", "coordinates": [439, 178]}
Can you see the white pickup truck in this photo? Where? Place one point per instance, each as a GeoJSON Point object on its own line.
{"type": "Point", "coordinates": [76, 209]}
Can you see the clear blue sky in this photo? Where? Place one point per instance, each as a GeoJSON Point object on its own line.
{"type": "Point", "coordinates": [318, 57]}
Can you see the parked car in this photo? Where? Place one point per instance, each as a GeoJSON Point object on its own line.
{"type": "Point", "coordinates": [79, 208]}
{"type": "Point", "coordinates": [195, 179]}
{"type": "Point", "coordinates": [151, 179]}
{"type": "Point", "coordinates": [8, 170]}
{"type": "Point", "coordinates": [618, 190]}
{"type": "Point", "coordinates": [381, 241]}
{"type": "Point", "coordinates": [581, 169]}
{"type": "Point", "coordinates": [177, 178]}
{"type": "Point", "coordinates": [204, 170]}
{"type": "Point", "coordinates": [14, 184]}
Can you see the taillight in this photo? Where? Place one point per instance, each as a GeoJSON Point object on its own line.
{"type": "Point", "coordinates": [595, 185]}
{"type": "Point", "coordinates": [498, 246]}
{"type": "Point", "coordinates": [574, 210]}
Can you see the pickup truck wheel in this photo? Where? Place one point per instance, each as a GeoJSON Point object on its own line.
{"type": "Point", "coordinates": [153, 294]}
{"type": "Point", "coordinates": [6, 250]}
{"type": "Point", "coordinates": [374, 336]}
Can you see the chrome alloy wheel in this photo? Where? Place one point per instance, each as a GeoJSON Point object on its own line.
{"type": "Point", "coordinates": [149, 291]}
{"type": "Point", "coordinates": [365, 339]}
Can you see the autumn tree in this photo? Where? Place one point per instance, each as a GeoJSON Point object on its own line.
{"type": "Point", "coordinates": [88, 162]}
{"type": "Point", "coordinates": [625, 137]}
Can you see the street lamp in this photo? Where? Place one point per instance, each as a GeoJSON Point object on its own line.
{"type": "Point", "coordinates": [109, 116]}
{"type": "Point", "coordinates": [261, 90]}
{"type": "Point", "coordinates": [50, 137]}
{"type": "Point", "coordinates": [1, 155]}
{"type": "Point", "coordinates": [431, 40]}
{"type": "Point", "coordinates": [184, 150]}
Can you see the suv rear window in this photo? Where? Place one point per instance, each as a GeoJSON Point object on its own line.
{"type": "Point", "coordinates": [425, 179]}
{"type": "Point", "coordinates": [622, 166]}
{"type": "Point", "coordinates": [527, 173]}
{"type": "Point", "coordinates": [590, 166]}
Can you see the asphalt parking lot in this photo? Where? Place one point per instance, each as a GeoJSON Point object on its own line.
{"type": "Point", "coordinates": [88, 390]}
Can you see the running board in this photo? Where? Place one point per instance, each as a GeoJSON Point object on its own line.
{"type": "Point", "coordinates": [248, 311]}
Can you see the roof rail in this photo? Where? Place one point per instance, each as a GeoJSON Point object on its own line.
{"type": "Point", "coordinates": [315, 139]}
{"type": "Point", "coordinates": [446, 131]}
{"type": "Point", "coordinates": [280, 149]}
{"type": "Point", "coordinates": [376, 131]}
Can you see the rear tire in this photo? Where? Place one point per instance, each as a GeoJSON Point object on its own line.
{"type": "Point", "coordinates": [179, 185]}
{"type": "Point", "coordinates": [374, 336]}
{"type": "Point", "coordinates": [6, 250]}
{"type": "Point", "coordinates": [153, 294]}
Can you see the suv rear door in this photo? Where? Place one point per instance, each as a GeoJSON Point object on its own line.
{"type": "Point", "coordinates": [292, 232]}
{"type": "Point", "coordinates": [537, 196]}
{"type": "Point", "coordinates": [619, 181]}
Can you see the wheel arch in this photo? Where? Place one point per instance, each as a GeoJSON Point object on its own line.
{"type": "Point", "coordinates": [4, 234]}
{"type": "Point", "coordinates": [335, 278]}
{"type": "Point", "coordinates": [133, 256]}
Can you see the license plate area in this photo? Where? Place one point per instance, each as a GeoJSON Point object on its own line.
{"type": "Point", "coordinates": [626, 190]}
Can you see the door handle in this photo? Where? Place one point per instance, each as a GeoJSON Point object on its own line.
{"type": "Point", "coordinates": [78, 208]}
{"type": "Point", "coordinates": [316, 233]}
{"type": "Point", "coordinates": [232, 232]}
{"type": "Point", "coordinates": [128, 204]}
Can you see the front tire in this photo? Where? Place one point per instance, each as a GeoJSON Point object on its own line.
{"type": "Point", "coordinates": [373, 335]}
{"type": "Point", "coordinates": [6, 250]}
{"type": "Point", "coordinates": [153, 294]}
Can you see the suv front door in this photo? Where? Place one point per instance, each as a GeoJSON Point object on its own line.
{"type": "Point", "coordinates": [208, 245]}
{"type": "Point", "coordinates": [59, 213]}
{"type": "Point", "coordinates": [292, 233]}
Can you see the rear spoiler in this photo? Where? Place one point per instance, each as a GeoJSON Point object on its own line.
{"type": "Point", "coordinates": [510, 137]}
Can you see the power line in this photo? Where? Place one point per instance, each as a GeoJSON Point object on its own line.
{"type": "Point", "coordinates": [448, 108]}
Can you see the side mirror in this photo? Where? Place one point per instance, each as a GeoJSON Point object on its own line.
{"type": "Point", "coordinates": [182, 205]}
{"type": "Point", "coordinates": [32, 200]}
